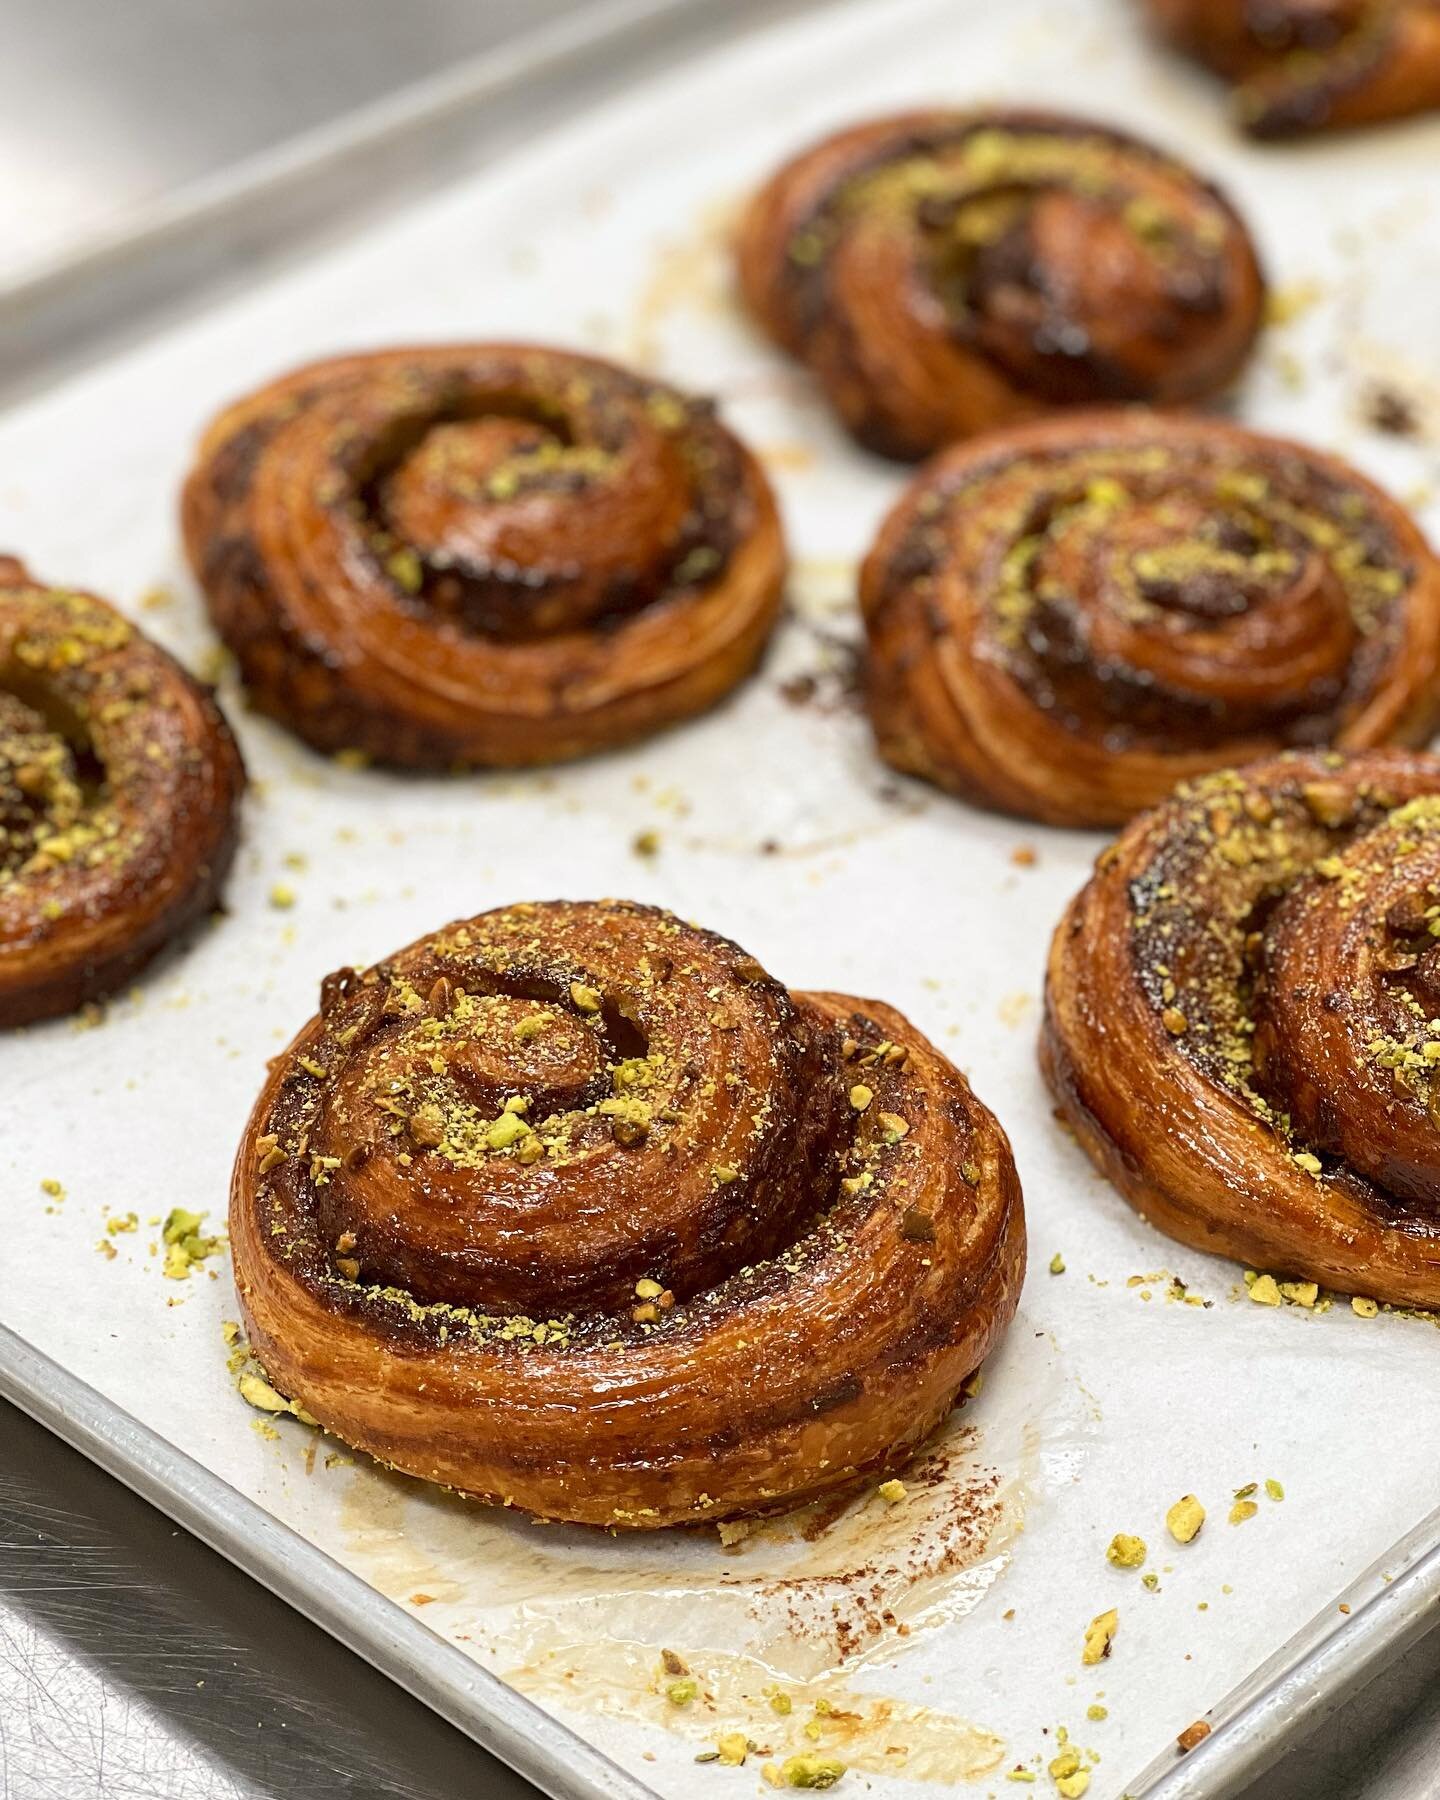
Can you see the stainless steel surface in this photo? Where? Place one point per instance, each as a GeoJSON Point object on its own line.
{"type": "Point", "coordinates": [496, 1716]}
{"type": "Point", "coordinates": [216, 226]}
{"type": "Point", "coordinates": [110, 108]}
{"type": "Point", "coordinates": [133, 1660]}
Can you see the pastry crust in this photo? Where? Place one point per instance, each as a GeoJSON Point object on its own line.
{"type": "Point", "coordinates": [481, 554]}
{"type": "Point", "coordinates": [1237, 1010]}
{"type": "Point", "coordinates": [1301, 66]}
{"type": "Point", "coordinates": [119, 799]}
{"type": "Point", "coordinates": [943, 273]}
{"type": "Point", "coordinates": [1067, 618]}
{"type": "Point", "coordinates": [571, 1206]}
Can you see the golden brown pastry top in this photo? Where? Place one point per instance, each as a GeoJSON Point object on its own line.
{"type": "Point", "coordinates": [1243, 1018]}
{"type": "Point", "coordinates": [1067, 618]}
{"type": "Point", "coordinates": [519, 1206]}
{"type": "Point", "coordinates": [119, 794]}
{"type": "Point", "coordinates": [947, 272]}
{"type": "Point", "coordinates": [1313, 65]}
{"type": "Point", "coordinates": [481, 553]}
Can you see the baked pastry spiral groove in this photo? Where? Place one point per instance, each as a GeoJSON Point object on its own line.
{"type": "Point", "coordinates": [1313, 65]}
{"type": "Point", "coordinates": [119, 798]}
{"type": "Point", "coordinates": [1066, 619]}
{"type": "Point", "coordinates": [571, 1206]}
{"type": "Point", "coordinates": [943, 273]}
{"type": "Point", "coordinates": [481, 554]}
{"type": "Point", "coordinates": [1242, 1019]}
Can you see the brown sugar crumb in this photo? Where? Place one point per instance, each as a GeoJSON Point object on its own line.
{"type": "Point", "coordinates": [1390, 411]}
{"type": "Point", "coordinates": [1193, 1735]}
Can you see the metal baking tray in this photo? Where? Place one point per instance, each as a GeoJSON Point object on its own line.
{"type": "Point", "coordinates": [422, 219]}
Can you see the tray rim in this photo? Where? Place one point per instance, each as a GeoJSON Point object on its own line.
{"type": "Point", "coordinates": [1309, 1676]}
{"type": "Point", "coordinates": [497, 1716]}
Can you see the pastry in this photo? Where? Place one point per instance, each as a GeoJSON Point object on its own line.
{"type": "Point", "coordinates": [1312, 65]}
{"type": "Point", "coordinates": [944, 273]}
{"type": "Point", "coordinates": [1067, 618]}
{"type": "Point", "coordinates": [1242, 1019]}
{"type": "Point", "coordinates": [573, 1207]}
{"type": "Point", "coordinates": [119, 799]}
{"type": "Point", "coordinates": [482, 554]}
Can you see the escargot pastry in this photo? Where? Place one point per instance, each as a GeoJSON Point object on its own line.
{"type": "Point", "coordinates": [571, 1206]}
{"type": "Point", "coordinates": [119, 797]}
{"type": "Point", "coordinates": [481, 554]}
{"type": "Point", "coordinates": [944, 273]}
{"type": "Point", "coordinates": [1313, 65]}
{"type": "Point", "coordinates": [1067, 618]}
{"type": "Point", "coordinates": [1242, 1019]}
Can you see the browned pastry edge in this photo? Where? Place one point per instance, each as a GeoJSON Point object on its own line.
{"type": "Point", "coordinates": [483, 554]}
{"type": "Point", "coordinates": [1156, 1052]}
{"type": "Point", "coordinates": [1298, 67]}
{"type": "Point", "coordinates": [947, 272]}
{"type": "Point", "coordinates": [119, 799]}
{"type": "Point", "coordinates": [697, 1340]}
{"type": "Point", "coordinates": [1067, 618]}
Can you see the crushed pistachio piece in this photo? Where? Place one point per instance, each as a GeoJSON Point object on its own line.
{"type": "Point", "coordinates": [1274, 1489]}
{"type": "Point", "coordinates": [586, 998]}
{"type": "Point", "coordinates": [1096, 1711]}
{"type": "Point", "coordinates": [1265, 1291]}
{"type": "Point", "coordinates": [732, 1749]}
{"type": "Point", "coordinates": [892, 1492]}
{"type": "Point", "coordinates": [1184, 1519]}
{"type": "Point", "coordinates": [257, 1392]}
{"type": "Point", "coordinates": [1125, 1551]}
{"type": "Point", "coordinates": [682, 1692]}
{"type": "Point", "coordinates": [893, 1127]}
{"type": "Point", "coordinates": [805, 1771]}
{"type": "Point", "coordinates": [184, 1246]}
{"type": "Point", "coordinates": [1243, 1510]}
{"type": "Point", "coordinates": [1070, 1779]}
{"type": "Point", "coordinates": [508, 1129]}
{"type": "Point", "coordinates": [861, 1096]}
{"type": "Point", "coordinates": [1057, 1264]}
{"type": "Point", "coordinates": [1366, 1309]}
{"type": "Point", "coordinates": [282, 897]}
{"type": "Point", "coordinates": [1099, 1636]}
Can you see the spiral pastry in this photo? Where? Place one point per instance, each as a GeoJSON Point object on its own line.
{"type": "Point", "coordinates": [481, 554]}
{"type": "Point", "coordinates": [119, 799]}
{"type": "Point", "coordinates": [573, 1207]}
{"type": "Point", "coordinates": [1241, 1018]}
{"type": "Point", "coordinates": [943, 273]}
{"type": "Point", "coordinates": [1068, 618]}
{"type": "Point", "coordinates": [1313, 65]}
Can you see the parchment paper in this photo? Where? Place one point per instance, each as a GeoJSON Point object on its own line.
{"type": "Point", "coordinates": [1112, 1396]}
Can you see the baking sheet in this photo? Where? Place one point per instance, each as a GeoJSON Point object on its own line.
{"type": "Point", "coordinates": [1113, 1395]}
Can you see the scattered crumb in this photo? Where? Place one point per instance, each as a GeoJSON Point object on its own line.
{"type": "Point", "coordinates": [1099, 1636]}
{"type": "Point", "coordinates": [282, 897]}
{"type": "Point", "coordinates": [1390, 411]}
{"type": "Point", "coordinates": [1125, 1551]}
{"type": "Point", "coordinates": [1193, 1735]}
{"type": "Point", "coordinates": [1185, 1518]}
{"type": "Point", "coordinates": [185, 1248]}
